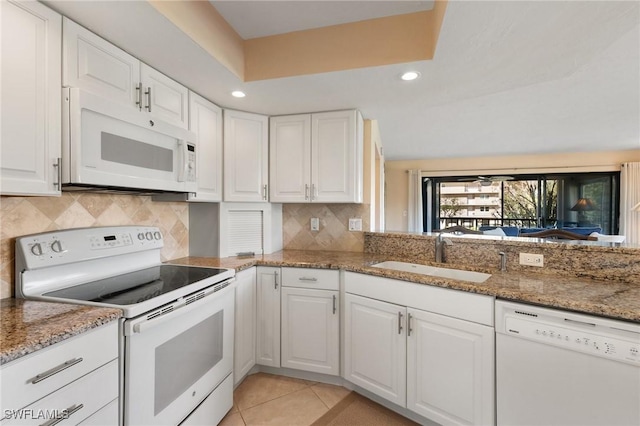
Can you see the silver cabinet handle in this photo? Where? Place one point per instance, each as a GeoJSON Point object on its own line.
{"type": "Point", "coordinates": [58, 166]}
{"type": "Point", "coordinates": [148, 93]}
{"type": "Point", "coordinates": [400, 322]}
{"type": "Point", "coordinates": [139, 96]}
{"type": "Point", "coordinates": [64, 415]}
{"type": "Point", "coordinates": [275, 279]}
{"type": "Point", "coordinates": [313, 191]}
{"type": "Point", "coordinates": [334, 304]}
{"type": "Point", "coordinates": [55, 370]}
{"type": "Point", "coordinates": [306, 191]}
{"type": "Point", "coordinates": [264, 191]}
{"type": "Point", "coordinates": [409, 329]}
{"type": "Point", "coordinates": [312, 279]}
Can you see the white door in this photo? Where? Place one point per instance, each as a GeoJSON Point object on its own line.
{"type": "Point", "coordinates": [163, 98]}
{"type": "Point", "coordinates": [376, 347]}
{"type": "Point", "coordinates": [31, 99]}
{"type": "Point", "coordinates": [205, 120]}
{"type": "Point", "coordinates": [290, 158]}
{"type": "Point", "coordinates": [245, 334]}
{"type": "Point", "coordinates": [268, 316]}
{"type": "Point", "coordinates": [246, 156]}
{"type": "Point", "coordinates": [310, 330]}
{"type": "Point", "coordinates": [336, 157]}
{"type": "Point", "coordinates": [97, 66]}
{"type": "Point", "coordinates": [450, 369]}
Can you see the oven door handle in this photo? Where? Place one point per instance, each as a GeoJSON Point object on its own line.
{"type": "Point", "coordinates": [181, 309]}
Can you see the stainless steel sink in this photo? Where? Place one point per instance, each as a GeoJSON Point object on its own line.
{"type": "Point", "coordinates": [434, 271]}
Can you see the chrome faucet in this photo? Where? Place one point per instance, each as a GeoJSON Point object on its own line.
{"type": "Point", "coordinates": [441, 241]}
{"type": "Point", "coordinates": [503, 261]}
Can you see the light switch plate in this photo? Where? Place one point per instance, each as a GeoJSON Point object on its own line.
{"type": "Point", "coordinates": [530, 259]}
{"type": "Point", "coordinates": [355, 224]}
{"type": "Point", "coordinates": [315, 224]}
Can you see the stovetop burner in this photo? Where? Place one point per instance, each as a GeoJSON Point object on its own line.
{"type": "Point", "coordinates": [137, 287]}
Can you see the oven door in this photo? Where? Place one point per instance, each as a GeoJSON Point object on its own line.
{"type": "Point", "coordinates": [108, 144]}
{"type": "Point", "coordinates": [173, 361]}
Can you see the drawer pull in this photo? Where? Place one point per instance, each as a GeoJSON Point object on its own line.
{"type": "Point", "coordinates": [64, 415]}
{"type": "Point", "coordinates": [400, 322]}
{"type": "Point", "coordinates": [55, 370]}
{"type": "Point", "coordinates": [334, 304]}
{"type": "Point", "coordinates": [308, 279]}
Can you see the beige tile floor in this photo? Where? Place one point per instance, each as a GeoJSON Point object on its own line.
{"type": "Point", "coordinates": [265, 399]}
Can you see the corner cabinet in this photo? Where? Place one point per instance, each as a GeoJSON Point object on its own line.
{"type": "Point", "coordinates": [31, 102]}
{"type": "Point", "coordinates": [317, 157]}
{"type": "Point", "coordinates": [205, 120]}
{"type": "Point", "coordinates": [244, 355]}
{"type": "Point", "coordinates": [246, 157]}
{"type": "Point", "coordinates": [428, 349]}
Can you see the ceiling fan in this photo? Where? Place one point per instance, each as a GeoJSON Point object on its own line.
{"type": "Point", "coordinates": [486, 180]}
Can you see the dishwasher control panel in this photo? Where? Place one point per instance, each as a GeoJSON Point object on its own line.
{"type": "Point", "coordinates": [612, 339]}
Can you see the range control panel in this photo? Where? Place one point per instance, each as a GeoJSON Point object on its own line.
{"type": "Point", "coordinates": [74, 245]}
{"type": "Point", "coordinates": [608, 345]}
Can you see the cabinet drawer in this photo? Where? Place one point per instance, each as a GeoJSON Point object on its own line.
{"type": "Point", "coordinates": [321, 279]}
{"type": "Point", "coordinates": [84, 352]}
{"type": "Point", "coordinates": [107, 415]}
{"type": "Point", "coordinates": [81, 398]}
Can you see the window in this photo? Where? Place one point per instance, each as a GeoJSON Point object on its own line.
{"type": "Point", "coordinates": [526, 201]}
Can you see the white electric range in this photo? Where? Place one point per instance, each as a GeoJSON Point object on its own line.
{"type": "Point", "coordinates": [176, 334]}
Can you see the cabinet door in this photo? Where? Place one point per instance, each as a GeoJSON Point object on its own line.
{"type": "Point", "coordinates": [268, 316]}
{"type": "Point", "coordinates": [450, 369]}
{"type": "Point", "coordinates": [95, 65]}
{"type": "Point", "coordinates": [245, 334]}
{"type": "Point", "coordinates": [164, 98]}
{"type": "Point", "coordinates": [310, 330]}
{"type": "Point", "coordinates": [31, 99]}
{"type": "Point", "coordinates": [246, 156]}
{"type": "Point", "coordinates": [205, 120]}
{"type": "Point", "coordinates": [336, 157]}
{"type": "Point", "coordinates": [376, 347]}
{"type": "Point", "coordinates": [290, 158]}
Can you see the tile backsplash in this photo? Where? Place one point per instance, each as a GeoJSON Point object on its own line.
{"type": "Point", "coordinates": [334, 231]}
{"type": "Point", "coordinates": [29, 215]}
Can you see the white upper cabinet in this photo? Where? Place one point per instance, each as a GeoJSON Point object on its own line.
{"type": "Point", "coordinates": [164, 98]}
{"type": "Point", "coordinates": [95, 65]}
{"type": "Point", "coordinates": [290, 165]}
{"type": "Point", "coordinates": [246, 156]}
{"type": "Point", "coordinates": [205, 120]}
{"type": "Point", "coordinates": [31, 99]}
{"type": "Point", "coordinates": [317, 157]}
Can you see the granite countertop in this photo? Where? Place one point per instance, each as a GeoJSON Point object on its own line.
{"type": "Point", "coordinates": [27, 326]}
{"type": "Point", "coordinates": [610, 299]}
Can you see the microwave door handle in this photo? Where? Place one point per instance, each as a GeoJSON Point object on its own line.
{"type": "Point", "coordinates": [183, 159]}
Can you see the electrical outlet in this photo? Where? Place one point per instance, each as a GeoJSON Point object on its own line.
{"type": "Point", "coordinates": [315, 224]}
{"type": "Point", "coordinates": [355, 224]}
{"type": "Point", "coordinates": [530, 259]}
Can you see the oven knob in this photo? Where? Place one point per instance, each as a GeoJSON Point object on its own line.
{"type": "Point", "coordinates": [56, 246]}
{"type": "Point", "coordinates": [141, 236]}
{"type": "Point", "coordinates": [157, 235]}
{"type": "Point", "coordinates": [36, 249]}
{"type": "Point", "coordinates": [148, 235]}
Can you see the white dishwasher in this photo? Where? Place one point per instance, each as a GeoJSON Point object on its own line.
{"type": "Point", "coordinates": [560, 368]}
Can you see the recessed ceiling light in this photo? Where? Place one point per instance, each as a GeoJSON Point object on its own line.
{"type": "Point", "coordinates": [238, 94]}
{"type": "Point", "coordinates": [410, 75]}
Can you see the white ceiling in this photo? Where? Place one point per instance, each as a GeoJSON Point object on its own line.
{"type": "Point", "coordinates": [508, 77]}
{"type": "Point", "coordinates": [253, 19]}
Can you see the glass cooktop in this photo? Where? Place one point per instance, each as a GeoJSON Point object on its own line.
{"type": "Point", "coordinates": [137, 287]}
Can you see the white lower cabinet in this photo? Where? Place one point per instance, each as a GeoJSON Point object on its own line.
{"type": "Point", "coordinates": [376, 347]}
{"type": "Point", "coordinates": [268, 316]}
{"type": "Point", "coordinates": [432, 363]}
{"type": "Point", "coordinates": [310, 330]}
{"type": "Point", "coordinates": [244, 355]}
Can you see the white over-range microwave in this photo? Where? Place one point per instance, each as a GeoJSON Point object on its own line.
{"type": "Point", "coordinates": [108, 146]}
